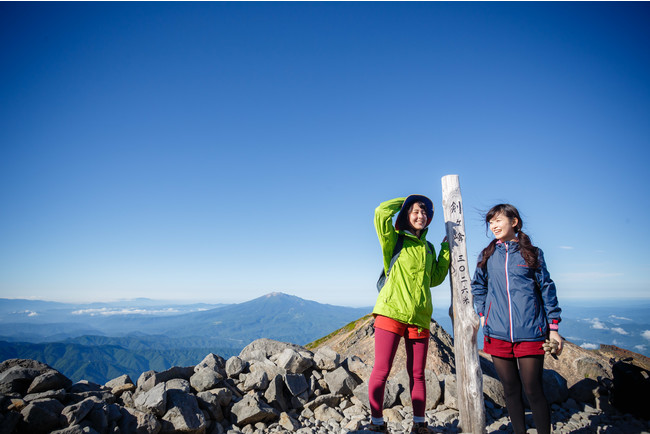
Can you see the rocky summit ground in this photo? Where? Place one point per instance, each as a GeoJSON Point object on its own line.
{"type": "Point", "coordinates": [274, 387]}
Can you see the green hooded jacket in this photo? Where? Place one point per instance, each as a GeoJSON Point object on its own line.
{"type": "Point", "coordinates": [406, 296]}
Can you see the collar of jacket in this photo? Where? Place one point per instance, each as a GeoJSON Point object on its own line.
{"type": "Point", "coordinates": [513, 246]}
{"type": "Point", "coordinates": [423, 235]}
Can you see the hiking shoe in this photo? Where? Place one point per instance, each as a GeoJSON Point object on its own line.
{"type": "Point", "coordinates": [377, 428]}
{"type": "Point", "coordinates": [420, 428]}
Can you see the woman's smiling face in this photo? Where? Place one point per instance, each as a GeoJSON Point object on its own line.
{"type": "Point", "coordinates": [503, 228]}
{"type": "Point", "coordinates": [418, 218]}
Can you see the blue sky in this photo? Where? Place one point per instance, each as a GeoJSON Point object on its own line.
{"type": "Point", "coordinates": [221, 151]}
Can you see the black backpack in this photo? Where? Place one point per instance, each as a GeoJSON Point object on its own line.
{"type": "Point", "coordinates": [396, 251]}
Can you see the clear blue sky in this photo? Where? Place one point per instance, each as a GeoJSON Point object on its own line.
{"type": "Point", "coordinates": [221, 151]}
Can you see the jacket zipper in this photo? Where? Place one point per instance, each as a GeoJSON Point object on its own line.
{"type": "Point", "coordinates": [512, 339]}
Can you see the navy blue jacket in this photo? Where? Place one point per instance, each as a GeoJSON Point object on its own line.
{"type": "Point", "coordinates": [518, 302]}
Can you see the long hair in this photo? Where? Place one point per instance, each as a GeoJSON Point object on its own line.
{"type": "Point", "coordinates": [528, 251]}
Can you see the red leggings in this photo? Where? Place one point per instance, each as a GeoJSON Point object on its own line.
{"type": "Point", "coordinates": [416, 358]}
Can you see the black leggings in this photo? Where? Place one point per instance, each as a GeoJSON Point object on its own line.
{"type": "Point", "coordinates": [526, 371]}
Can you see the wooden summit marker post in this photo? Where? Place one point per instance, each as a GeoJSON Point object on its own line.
{"type": "Point", "coordinates": [469, 378]}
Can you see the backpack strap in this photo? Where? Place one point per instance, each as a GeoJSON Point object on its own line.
{"type": "Point", "coordinates": [396, 251]}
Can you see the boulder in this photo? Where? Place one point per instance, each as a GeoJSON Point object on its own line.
{"type": "Point", "coordinates": [212, 362]}
{"type": "Point", "coordinates": [256, 380]}
{"type": "Point", "coordinates": [330, 399]}
{"type": "Point", "coordinates": [275, 394]}
{"type": "Point", "coordinates": [154, 400]}
{"type": "Point", "coordinates": [178, 384]}
{"type": "Point", "coordinates": [288, 423]}
{"type": "Point", "coordinates": [41, 416]}
{"type": "Point", "coordinates": [206, 379]}
{"type": "Point", "coordinates": [265, 348]}
{"type": "Point", "coordinates": [183, 414]}
{"type": "Point", "coordinates": [119, 381]}
{"type": "Point", "coordinates": [493, 390]}
{"type": "Point", "coordinates": [58, 394]}
{"type": "Point", "coordinates": [250, 410]}
{"type": "Point", "coordinates": [296, 383]}
{"type": "Point", "coordinates": [339, 381]}
{"type": "Point", "coordinates": [49, 380]}
{"type": "Point", "coordinates": [294, 362]}
{"type": "Point", "coordinates": [451, 392]}
{"type": "Point", "coordinates": [17, 379]}
{"type": "Point", "coordinates": [138, 422]}
{"type": "Point", "coordinates": [149, 379]}
{"type": "Point", "coordinates": [75, 413]}
{"type": "Point", "coordinates": [235, 366]}
{"type": "Point", "coordinates": [325, 413]}
{"type": "Point", "coordinates": [209, 402]}
{"type": "Point", "coordinates": [327, 359]}
{"type": "Point", "coordinates": [434, 390]}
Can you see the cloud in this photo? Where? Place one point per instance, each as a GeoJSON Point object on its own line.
{"type": "Point", "coordinates": [567, 247]}
{"type": "Point", "coordinates": [596, 324]}
{"type": "Point", "coordinates": [646, 334]}
{"type": "Point", "coordinates": [26, 312]}
{"type": "Point", "coordinates": [123, 311]}
{"type": "Point", "coordinates": [620, 317]}
{"type": "Point", "coordinates": [588, 346]}
{"type": "Point", "coordinates": [639, 348]}
{"type": "Point", "coordinates": [619, 330]}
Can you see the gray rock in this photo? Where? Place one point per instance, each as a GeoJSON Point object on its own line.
{"type": "Point", "coordinates": [17, 379]}
{"type": "Point", "coordinates": [257, 380]}
{"type": "Point", "coordinates": [178, 384]}
{"type": "Point", "coordinates": [119, 381]}
{"type": "Point", "coordinates": [327, 359]}
{"type": "Point", "coordinates": [293, 362]}
{"type": "Point", "coordinates": [49, 380]}
{"type": "Point", "coordinates": [223, 394]}
{"type": "Point", "coordinates": [58, 394]}
{"type": "Point", "coordinates": [206, 379]}
{"type": "Point", "coordinates": [42, 416]}
{"type": "Point", "coordinates": [325, 413]}
{"type": "Point", "coordinates": [357, 367]}
{"type": "Point", "coordinates": [138, 422]}
{"type": "Point", "coordinates": [451, 392]}
{"type": "Point", "coordinates": [288, 423]}
{"type": "Point", "coordinates": [433, 388]}
{"type": "Point", "coordinates": [493, 390]}
{"type": "Point", "coordinates": [9, 421]}
{"type": "Point", "coordinates": [75, 413]}
{"type": "Point", "coordinates": [250, 410]}
{"type": "Point", "coordinates": [340, 382]}
{"type": "Point", "coordinates": [265, 348]}
{"type": "Point", "coordinates": [585, 391]}
{"type": "Point", "coordinates": [275, 394]}
{"type": "Point", "coordinates": [209, 402]}
{"type": "Point", "coordinates": [97, 417]}
{"type": "Point", "coordinates": [235, 366]}
{"type": "Point", "coordinates": [296, 383]}
{"type": "Point", "coordinates": [267, 366]}
{"type": "Point", "coordinates": [154, 400]}
{"type": "Point", "coordinates": [555, 387]}
{"type": "Point", "coordinates": [330, 399]}
{"type": "Point", "coordinates": [183, 414]}
{"type": "Point", "coordinates": [213, 362]}
{"type": "Point", "coordinates": [149, 379]}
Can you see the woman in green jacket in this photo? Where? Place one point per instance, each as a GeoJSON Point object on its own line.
{"type": "Point", "coordinates": [404, 305]}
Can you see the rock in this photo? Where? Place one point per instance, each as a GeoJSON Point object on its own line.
{"type": "Point", "coordinates": [235, 366]}
{"type": "Point", "coordinates": [555, 387]}
{"type": "Point", "coordinates": [267, 366]}
{"type": "Point", "coordinates": [293, 361]}
{"type": "Point", "coordinates": [42, 416]}
{"type": "Point", "coordinates": [149, 379]}
{"type": "Point", "coordinates": [339, 381]}
{"type": "Point", "coordinates": [223, 394]}
{"type": "Point", "coordinates": [97, 417]}
{"type": "Point", "coordinates": [493, 390]}
{"type": "Point", "coordinates": [212, 362]}
{"type": "Point", "coordinates": [75, 413]}
{"type": "Point", "coordinates": [178, 384]}
{"type": "Point", "coordinates": [257, 380]}
{"type": "Point", "coordinates": [250, 409]}
{"type": "Point", "coordinates": [84, 386]}
{"type": "Point", "coordinates": [17, 379]}
{"type": "Point", "coordinates": [210, 403]}
{"type": "Point", "coordinates": [330, 399]}
{"type": "Point", "coordinates": [138, 422]}
{"type": "Point", "coordinates": [433, 388]}
{"type": "Point", "coordinates": [324, 413]}
{"type": "Point", "coordinates": [154, 400]}
{"type": "Point", "coordinates": [357, 367]}
{"type": "Point", "coordinates": [9, 421]}
{"type": "Point", "coordinates": [49, 380]}
{"type": "Point", "coordinates": [265, 348]}
{"type": "Point", "coordinates": [296, 383]}
{"type": "Point", "coordinates": [183, 414]}
{"type": "Point", "coordinates": [585, 391]}
{"type": "Point", "coordinates": [206, 379]}
{"type": "Point", "coordinates": [58, 394]}
{"type": "Point", "coordinates": [119, 381]}
{"type": "Point", "coordinates": [451, 393]}
{"type": "Point", "coordinates": [275, 394]}
{"type": "Point", "coordinates": [288, 423]}
{"type": "Point", "coordinates": [327, 359]}
{"type": "Point", "coordinates": [119, 390]}
{"type": "Point", "coordinates": [631, 389]}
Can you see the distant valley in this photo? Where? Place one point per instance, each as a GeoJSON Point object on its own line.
{"type": "Point", "coordinates": [100, 341]}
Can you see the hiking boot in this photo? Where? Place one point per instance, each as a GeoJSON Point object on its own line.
{"type": "Point", "coordinates": [377, 428]}
{"type": "Point", "coordinates": [420, 428]}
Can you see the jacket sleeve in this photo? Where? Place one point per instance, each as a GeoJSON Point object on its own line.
{"type": "Point", "coordinates": [548, 292]}
{"type": "Point", "coordinates": [384, 226]}
{"type": "Point", "coordinates": [479, 289]}
{"type": "Point", "coordinates": [441, 266]}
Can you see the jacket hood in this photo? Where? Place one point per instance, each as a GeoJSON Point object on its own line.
{"type": "Point", "coordinates": [428, 204]}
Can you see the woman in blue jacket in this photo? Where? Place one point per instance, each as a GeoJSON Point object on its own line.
{"type": "Point", "coordinates": [516, 301]}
